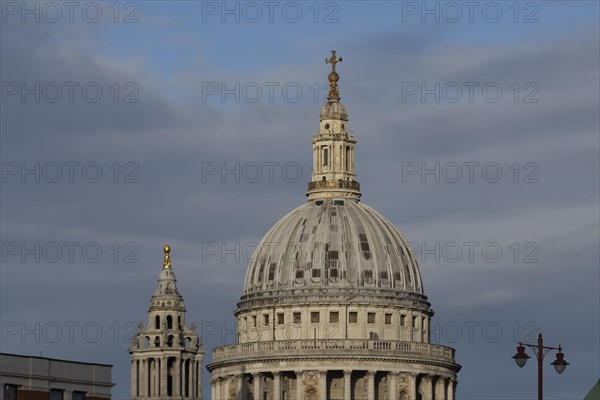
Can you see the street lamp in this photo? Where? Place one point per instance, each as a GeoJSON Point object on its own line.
{"type": "Point", "coordinates": [521, 357]}
{"type": "Point", "coordinates": [540, 352]}
{"type": "Point", "coordinates": [560, 364]}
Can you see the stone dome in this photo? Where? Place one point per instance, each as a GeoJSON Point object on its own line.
{"type": "Point", "coordinates": [167, 284]}
{"type": "Point", "coordinates": [332, 247]}
{"type": "Point", "coordinates": [334, 110]}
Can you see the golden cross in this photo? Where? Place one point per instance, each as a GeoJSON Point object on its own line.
{"type": "Point", "coordinates": [333, 60]}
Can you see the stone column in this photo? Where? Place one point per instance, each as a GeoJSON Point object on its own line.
{"type": "Point", "coordinates": [241, 387]}
{"type": "Point", "coordinates": [347, 384]}
{"type": "Point", "coordinates": [143, 381]}
{"type": "Point", "coordinates": [450, 389]}
{"type": "Point", "coordinates": [440, 388]}
{"type": "Point", "coordinates": [213, 388]}
{"type": "Point", "coordinates": [393, 389]}
{"type": "Point", "coordinates": [192, 379]}
{"type": "Point", "coordinates": [412, 386]}
{"type": "Point", "coordinates": [177, 377]}
{"type": "Point", "coordinates": [323, 385]}
{"type": "Point", "coordinates": [225, 387]}
{"type": "Point", "coordinates": [299, 385]}
{"type": "Point", "coordinates": [199, 379]}
{"type": "Point", "coordinates": [68, 395]}
{"type": "Point", "coordinates": [220, 384]}
{"type": "Point", "coordinates": [163, 376]}
{"type": "Point", "coordinates": [256, 377]}
{"type": "Point", "coordinates": [371, 384]}
{"type": "Point", "coordinates": [426, 387]}
{"type": "Point", "coordinates": [134, 394]}
{"type": "Point", "coordinates": [276, 385]}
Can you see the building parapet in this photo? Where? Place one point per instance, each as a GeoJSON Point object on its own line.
{"type": "Point", "coordinates": [334, 347]}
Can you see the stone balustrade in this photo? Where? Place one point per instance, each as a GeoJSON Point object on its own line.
{"type": "Point", "coordinates": [333, 347]}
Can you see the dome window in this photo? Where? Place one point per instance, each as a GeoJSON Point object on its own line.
{"type": "Point", "coordinates": [332, 259]}
{"type": "Point", "coordinates": [333, 274]}
{"type": "Point", "coordinates": [327, 126]}
{"type": "Point", "coordinates": [371, 318]}
{"type": "Point", "coordinates": [347, 158]}
{"type": "Point", "coordinates": [353, 317]}
{"type": "Point", "coordinates": [316, 273]}
{"type": "Point", "coordinates": [280, 318]}
{"type": "Point", "coordinates": [272, 271]}
{"type": "Point", "coordinates": [297, 317]}
{"type": "Point", "coordinates": [334, 317]}
{"type": "Point", "coordinates": [388, 319]}
{"type": "Point", "coordinates": [314, 317]}
{"type": "Point", "coordinates": [261, 271]}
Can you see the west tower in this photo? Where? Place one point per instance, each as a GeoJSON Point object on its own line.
{"type": "Point", "coordinates": [166, 355]}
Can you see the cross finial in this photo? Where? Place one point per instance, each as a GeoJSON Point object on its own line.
{"type": "Point", "coordinates": [333, 77]}
{"type": "Point", "coordinates": [333, 60]}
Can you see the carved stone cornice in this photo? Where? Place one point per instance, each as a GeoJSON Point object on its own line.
{"type": "Point", "coordinates": [266, 359]}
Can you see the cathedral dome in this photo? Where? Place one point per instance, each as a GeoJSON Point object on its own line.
{"type": "Point", "coordinates": [332, 247]}
{"type": "Point", "coordinates": [333, 304]}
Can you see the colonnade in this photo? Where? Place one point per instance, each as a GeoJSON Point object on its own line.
{"type": "Point", "coordinates": [150, 378]}
{"type": "Point", "coordinates": [315, 385]}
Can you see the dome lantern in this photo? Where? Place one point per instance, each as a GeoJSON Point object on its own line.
{"type": "Point", "coordinates": [333, 147]}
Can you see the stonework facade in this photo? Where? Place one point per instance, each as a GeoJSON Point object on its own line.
{"type": "Point", "coordinates": [166, 355]}
{"type": "Point", "coordinates": [333, 305]}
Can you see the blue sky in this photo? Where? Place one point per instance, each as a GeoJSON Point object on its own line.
{"type": "Point", "coordinates": [543, 134]}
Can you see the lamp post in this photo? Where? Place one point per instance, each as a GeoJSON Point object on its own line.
{"type": "Point", "coordinates": [540, 352]}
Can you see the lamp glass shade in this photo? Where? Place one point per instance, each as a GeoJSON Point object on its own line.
{"type": "Point", "coordinates": [560, 364]}
{"type": "Point", "coordinates": [560, 368]}
{"type": "Point", "coordinates": [521, 357]}
{"type": "Point", "coordinates": [521, 360]}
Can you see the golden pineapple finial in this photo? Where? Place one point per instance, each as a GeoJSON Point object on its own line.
{"type": "Point", "coordinates": [167, 261]}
